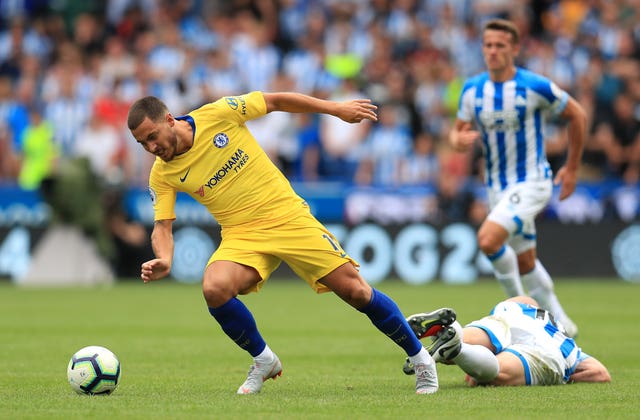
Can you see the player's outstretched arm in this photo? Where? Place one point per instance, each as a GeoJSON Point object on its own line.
{"type": "Point", "coordinates": [462, 136]}
{"type": "Point", "coordinates": [162, 243]}
{"type": "Point", "coordinates": [352, 111]}
{"type": "Point", "coordinates": [567, 176]}
{"type": "Point", "coordinates": [590, 370]}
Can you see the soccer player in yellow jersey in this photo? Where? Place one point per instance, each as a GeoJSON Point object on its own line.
{"type": "Point", "coordinates": [211, 155]}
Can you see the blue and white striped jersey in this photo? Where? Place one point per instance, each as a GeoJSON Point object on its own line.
{"type": "Point", "coordinates": [536, 328]}
{"type": "Point", "coordinates": [511, 119]}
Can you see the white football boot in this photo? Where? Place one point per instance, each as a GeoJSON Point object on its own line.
{"type": "Point", "coordinates": [258, 373]}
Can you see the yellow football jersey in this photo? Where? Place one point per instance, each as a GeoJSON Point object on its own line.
{"type": "Point", "coordinates": [226, 169]}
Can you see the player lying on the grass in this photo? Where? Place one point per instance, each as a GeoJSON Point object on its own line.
{"type": "Point", "coordinates": [516, 344]}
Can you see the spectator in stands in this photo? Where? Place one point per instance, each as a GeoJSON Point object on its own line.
{"type": "Point", "coordinates": [304, 64]}
{"type": "Point", "coordinates": [429, 90]}
{"type": "Point", "coordinates": [13, 114]}
{"type": "Point", "coordinates": [255, 59]}
{"type": "Point", "coordinates": [383, 151]}
{"type": "Point", "coordinates": [308, 134]}
{"type": "Point", "coordinates": [39, 152]}
{"type": "Point", "coordinates": [102, 145]}
{"type": "Point", "coordinates": [67, 114]}
{"type": "Point", "coordinates": [340, 139]}
{"type": "Point", "coordinates": [408, 53]}
{"type": "Point", "coordinates": [276, 132]}
{"type": "Point", "coordinates": [421, 166]}
{"type": "Point", "coordinates": [9, 165]}
{"type": "Point", "coordinates": [622, 146]}
{"type": "Point", "coordinates": [118, 63]}
{"type": "Point", "coordinates": [21, 39]}
{"type": "Point", "coordinates": [215, 75]}
{"type": "Point", "coordinates": [88, 34]}
{"type": "Point", "coordinates": [167, 62]}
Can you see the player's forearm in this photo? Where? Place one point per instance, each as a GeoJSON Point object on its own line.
{"type": "Point", "coordinates": [577, 132]}
{"type": "Point", "coordinates": [576, 146]}
{"type": "Point", "coordinates": [595, 375]}
{"type": "Point", "coordinates": [162, 242]}
{"type": "Point", "coordinates": [590, 370]}
{"type": "Point", "coordinates": [298, 103]}
{"type": "Point", "coordinates": [352, 111]}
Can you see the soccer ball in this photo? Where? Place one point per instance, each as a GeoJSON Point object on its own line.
{"type": "Point", "coordinates": [93, 370]}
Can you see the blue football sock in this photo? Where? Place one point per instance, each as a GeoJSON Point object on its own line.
{"type": "Point", "coordinates": [238, 323]}
{"type": "Point", "coordinates": [386, 316]}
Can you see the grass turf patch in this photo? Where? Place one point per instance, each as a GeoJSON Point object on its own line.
{"type": "Point", "coordinates": [177, 363]}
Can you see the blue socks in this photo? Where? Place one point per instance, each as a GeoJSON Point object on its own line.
{"type": "Point", "coordinates": [386, 316]}
{"type": "Point", "coordinates": [238, 323]}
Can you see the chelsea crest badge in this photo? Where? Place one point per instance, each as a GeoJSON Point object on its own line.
{"type": "Point", "coordinates": [220, 140]}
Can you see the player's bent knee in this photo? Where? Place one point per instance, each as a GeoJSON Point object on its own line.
{"type": "Point", "coordinates": [346, 282]}
{"type": "Point", "coordinates": [216, 294]}
{"type": "Point", "coordinates": [356, 295]}
{"type": "Point", "coordinates": [491, 237]}
{"type": "Point", "coordinates": [489, 244]}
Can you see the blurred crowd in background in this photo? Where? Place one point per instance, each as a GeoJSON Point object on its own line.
{"type": "Point", "coordinates": [69, 70]}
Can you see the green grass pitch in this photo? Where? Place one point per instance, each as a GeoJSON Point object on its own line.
{"type": "Point", "coordinates": [176, 362]}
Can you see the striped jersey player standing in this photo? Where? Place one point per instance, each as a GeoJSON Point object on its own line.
{"type": "Point", "coordinates": [505, 108]}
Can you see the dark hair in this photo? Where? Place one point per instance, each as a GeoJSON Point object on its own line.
{"type": "Point", "coordinates": [150, 107]}
{"type": "Point", "coordinates": [504, 26]}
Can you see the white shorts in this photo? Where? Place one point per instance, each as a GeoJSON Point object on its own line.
{"type": "Point", "coordinates": [516, 208]}
{"type": "Point", "coordinates": [540, 351]}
